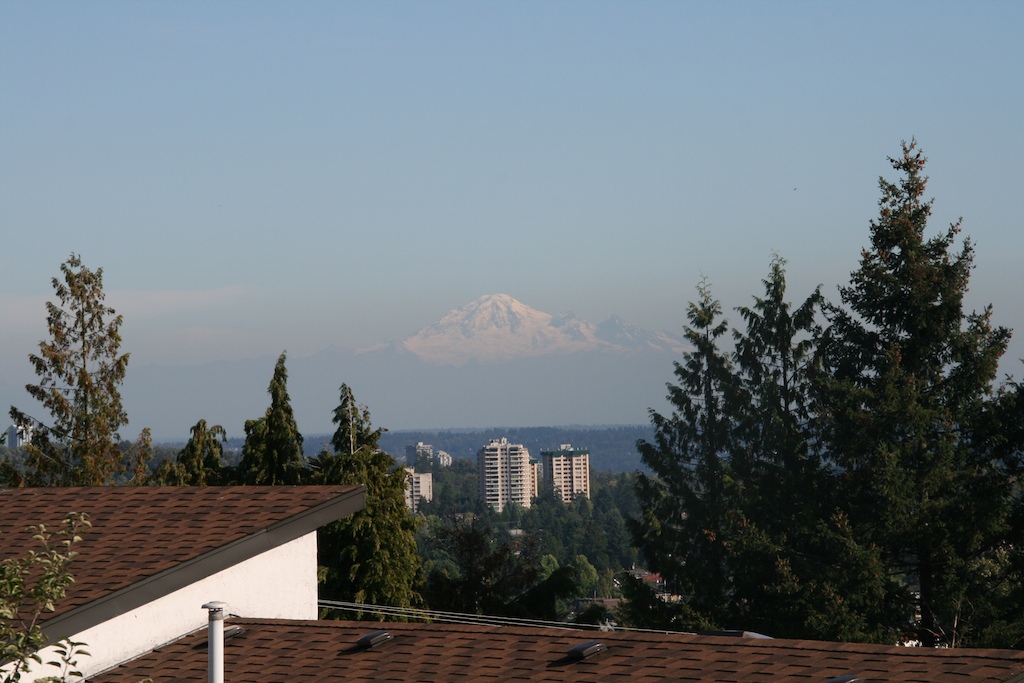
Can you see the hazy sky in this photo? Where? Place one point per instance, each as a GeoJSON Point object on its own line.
{"type": "Point", "coordinates": [260, 176]}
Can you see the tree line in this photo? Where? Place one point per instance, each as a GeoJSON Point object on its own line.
{"type": "Point", "coordinates": [372, 557]}
{"type": "Point", "coordinates": [844, 470]}
{"type": "Point", "coordinates": [369, 556]}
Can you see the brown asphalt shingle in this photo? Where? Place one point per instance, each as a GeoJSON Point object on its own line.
{"type": "Point", "coordinates": [296, 651]}
{"type": "Point", "coordinates": [138, 532]}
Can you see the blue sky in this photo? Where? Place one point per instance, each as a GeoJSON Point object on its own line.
{"type": "Point", "coordinates": [262, 176]}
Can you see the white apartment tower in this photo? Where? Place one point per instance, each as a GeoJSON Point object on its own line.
{"type": "Point", "coordinates": [19, 435]}
{"type": "Point", "coordinates": [567, 472]}
{"type": "Point", "coordinates": [419, 487]}
{"type": "Point", "coordinates": [506, 475]}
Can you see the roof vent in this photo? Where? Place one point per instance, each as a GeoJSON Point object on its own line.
{"type": "Point", "coordinates": [232, 631]}
{"type": "Point", "coordinates": [373, 639]}
{"type": "Point", "coordinates": [736, 633]}
{"type": "Point", "coordinates": [585, 650]}
{"type": "Point", "coordinates": [845, 679]}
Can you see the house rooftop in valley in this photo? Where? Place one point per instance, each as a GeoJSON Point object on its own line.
{"type": "Point", "coordinates": [276, 650]}
{"type": "Point", "coordinates": [150, 541]}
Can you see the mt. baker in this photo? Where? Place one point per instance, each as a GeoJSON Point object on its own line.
{"type": "Point", "coordinates": [497, 328]}
{"type": "Point", "coordinates": [492, 362]}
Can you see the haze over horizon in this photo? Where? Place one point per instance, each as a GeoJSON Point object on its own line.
{"type": "Point", "coordinates": [267, 176]}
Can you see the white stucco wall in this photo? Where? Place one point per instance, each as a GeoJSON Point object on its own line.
{"type": "Point", "coordinates": [278, 584]}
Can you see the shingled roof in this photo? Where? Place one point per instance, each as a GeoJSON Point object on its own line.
{"type": "Point", "coordinates": [147, 541]}
{"type": "Point", "coordinates": [296, 651]}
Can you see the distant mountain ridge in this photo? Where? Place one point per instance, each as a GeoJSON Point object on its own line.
{"type": "Point", "coordinates": [497, 328]}
{"type": "Point", "coordinates": [495, 361]}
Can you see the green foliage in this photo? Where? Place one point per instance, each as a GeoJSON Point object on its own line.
{"type": "Point", "coordinates": [906, 404]}
{"type": "Point", "coordinates": [68, 652]}
{"type": "Point", "coordinates": [370, 556]}
{"type": "Point", "coordinates": [80, 369]}
{"type": "Point", "coordinates": [30, 586]}
{"type": "Point", "coordinates": [586, 575]}
{"type": "Point", "coordinates": [832, 482]}
{"type": "Point", "coordinates": [354, 431]}
{"type": "Point", "coordinates": [476, 573]}
{"type": "Point", "coordinates": [200, 462]}
{"type": "Point", "coordinates": [272, 454]}
{"type": "Point", "coordinates": [686, 503]}
{"type": "Point", "coordinates": [594, 529]}
{"type": "Point", "coordinates": [741, 520]}
{"type": "Point", "coordinates": [456, 489]}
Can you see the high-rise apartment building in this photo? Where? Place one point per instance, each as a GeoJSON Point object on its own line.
{"type": "Point", "coordinates": [19, 435]}
{"type": "Point", "coordinates": [419, 488]}
{"type": "Point", "coordinates": [506, 475]}
{"type": "Point", "coordinates": [425, 452]}
{"type": "Point", "coordinates": [414, 452]}
{"type": "Point", "coordinates": [567, 472]}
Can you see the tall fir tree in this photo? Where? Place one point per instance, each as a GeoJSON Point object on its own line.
{"type": "Point", "coordinates": [371, 556]}
{"type": "Point", "coordinates": [740, 519]}
{"type": "Point", "coordinates": [80, 369]}
{"type": "Point", "coordinates": [797, 570]}
{"type": "Point", "coordinates": [685, 504]}
{"type": "Point", "coordinates": [909, 382]}
{"type": "Point", "coordinates": [272, 454]}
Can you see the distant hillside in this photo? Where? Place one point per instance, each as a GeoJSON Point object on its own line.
{"type": "Point", "coordinates": [494, 361]}
{"type": "Point", "coordinates": [611, 448]}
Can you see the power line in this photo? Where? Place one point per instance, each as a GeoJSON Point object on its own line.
{"type": "Point", "coordinates": [445, 617]}
{"type": "Point", "coordinates": [442, 617]}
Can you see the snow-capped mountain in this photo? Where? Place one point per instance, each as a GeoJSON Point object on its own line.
{"type": "Point", "coordinates": [492, 362]}
{"type": "Point", "coordinates": [497, 328]}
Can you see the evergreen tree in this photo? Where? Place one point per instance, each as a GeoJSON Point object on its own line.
{"type": "Point", "coordinates": [200, 462]}
{"type": "Point", "coordinates": [742, 521]}
{"type": "Point", "coordinates": [370, 556]}
{"type": "Point", "coordinates": [685, 505]}
{"type": "Point", "coordinates": [272, 453]}
{"type": "Point", "coordinates": [354, 430]}
{"type": "Point", "coordinates": [80, 369]}
{"type": "Point", "coordinates": [775, 450]}
{"type": "Point", "coordinates": [797, 570]}
{"type": "Point", "coordinates": [487, 575]}
{"type": "Point", "coordinates": [909, 385]}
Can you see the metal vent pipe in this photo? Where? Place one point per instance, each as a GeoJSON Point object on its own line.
{"type": "Point", "coordinates": [215, 641]}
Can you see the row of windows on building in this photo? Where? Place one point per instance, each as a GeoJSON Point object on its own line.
{"type": "Point", "coordinates": [507, 475]}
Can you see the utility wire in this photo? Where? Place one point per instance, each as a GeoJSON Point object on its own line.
{"type": "Point", "coordinates": [445, 617]}
{"type": "Point", "coordinates": [438, 616]}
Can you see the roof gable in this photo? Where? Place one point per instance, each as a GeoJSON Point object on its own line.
{"type": "Point", "coordinates": [148, 541]}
